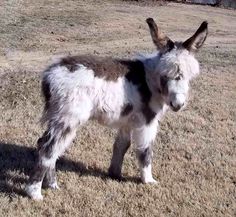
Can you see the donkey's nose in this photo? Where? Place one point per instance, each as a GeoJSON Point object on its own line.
{"type": "Point", "coordinates": [176, 107]}
{"type": "Point", "coordinates": [177, 101]}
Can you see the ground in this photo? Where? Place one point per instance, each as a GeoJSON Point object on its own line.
{"type": "Point", "coordinates": [195, 151]}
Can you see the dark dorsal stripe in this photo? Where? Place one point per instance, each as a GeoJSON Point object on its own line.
{"type": "Point", "coordinates": [111, 69]}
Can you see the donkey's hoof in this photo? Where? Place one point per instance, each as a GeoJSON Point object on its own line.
{"type": "Point", "coordinates": [149, 181]}
{"type": "Point", "coordinates": [54, 186]}
{"type": "Point", "coordinates": [50, 184]}
{"type": "Point", "coordinates": [35, 195]}
{"type": "Point", "coordinates": [114, 176]}
{"type": "Point", "coordinates": [34, 191]}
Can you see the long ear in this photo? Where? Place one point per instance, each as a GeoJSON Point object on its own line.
{"type": "Point", "coordinates": [161, 41]}
{"type": "Point", "coordinates": [197, 40]}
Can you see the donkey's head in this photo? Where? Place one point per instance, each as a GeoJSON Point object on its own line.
{"type": "Point", "coordinates": [176, 65]}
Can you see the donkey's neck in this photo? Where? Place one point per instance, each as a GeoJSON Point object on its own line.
{"type": "Point", "coordinates": [156, 102]}
{"type": "Point", "coordinates": [150, 63]}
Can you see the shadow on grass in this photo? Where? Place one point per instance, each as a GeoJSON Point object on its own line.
{"type": "Point", "coordinates": [16, 163]}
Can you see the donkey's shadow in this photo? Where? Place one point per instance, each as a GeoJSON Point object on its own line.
{"type": "Point", "coordinates": [17, 161]}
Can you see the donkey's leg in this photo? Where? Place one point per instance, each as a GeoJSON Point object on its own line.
{"type": "Point", "coordinates": [55, 141]}
{"type": "Point", "coordinates": [145, 163]}
{"type": "Point", "coordinates": [50, 176]}
{"type": "Point", "coordinates": [50, 179]}
{"type": "Point", "coordinates": [144, 138]}
{"type": "Point", "coordinates": [120, 147]}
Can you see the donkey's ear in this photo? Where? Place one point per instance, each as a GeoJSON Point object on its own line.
{"type": "Point", "coordinates": [161, 41]}
{"type": "Point", "coordinates": [197, 40]}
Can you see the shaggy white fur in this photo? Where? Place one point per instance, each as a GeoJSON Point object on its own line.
{"type": "Point", "coordinates": [133, 103]}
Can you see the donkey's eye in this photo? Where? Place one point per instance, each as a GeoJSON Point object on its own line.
{"type": "Point", "coordinates": [164, 80]}
{"type": "Point", "coordinates": [178, 78]}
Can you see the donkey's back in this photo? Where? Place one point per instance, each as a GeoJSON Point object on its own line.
{"type": "Point", "coordinates": [89, 87]}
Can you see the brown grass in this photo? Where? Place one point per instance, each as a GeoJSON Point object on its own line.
{"type": "Point", "coordinates": [194, 154]}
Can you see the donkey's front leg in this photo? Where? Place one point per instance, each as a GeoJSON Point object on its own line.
{"type": "Point", "coordinates": [145, 164]}
{"type": "Point", "coordinates": [144, 138]}
{"type": "Point", "coordinates": [120, 147]}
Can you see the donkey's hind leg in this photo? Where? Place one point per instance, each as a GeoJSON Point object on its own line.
{"type": "Point", "coordinates": [49, 180]}
{"type": "Point", "coordinates": [53, 143]}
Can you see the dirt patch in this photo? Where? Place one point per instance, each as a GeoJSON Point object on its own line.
{"type": "Point", "coordinates": [194, 154]}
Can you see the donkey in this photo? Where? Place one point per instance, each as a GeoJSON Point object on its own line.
{"type": "Point", "coordinates": [130, 95]}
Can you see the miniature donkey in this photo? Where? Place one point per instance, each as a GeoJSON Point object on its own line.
{"type": "Point", "coordinates": [131, 95]}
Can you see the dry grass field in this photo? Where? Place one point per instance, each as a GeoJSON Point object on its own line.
{"type": "Point", "coordinates": [195, 152]}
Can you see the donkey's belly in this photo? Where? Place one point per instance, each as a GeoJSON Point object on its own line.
{"type": "Point", "coordinates": [111, 119]}
{"type": "Point", "coordinates": [114, 120]}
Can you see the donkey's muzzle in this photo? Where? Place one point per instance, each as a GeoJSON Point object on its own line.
{"type": "Point", "coordinates": [176, 107]}
{"type": "Point", "coordinates": [177, 101]}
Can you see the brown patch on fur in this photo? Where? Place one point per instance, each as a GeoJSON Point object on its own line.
{"type": "Point", "coordinates": [127, 109]}
{"type": "Point", "coordinates": [70, 63]}
{"type": "Point", "coordinates": [111, 69]}
{"type": "Point", "coordinates": [103, 67]}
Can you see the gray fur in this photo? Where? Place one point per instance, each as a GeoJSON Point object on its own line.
{"type": "Point", "coordinates": [50, 177]}
{"type": "Point", "coordinates": [38, 173]}
{"type": "Point", "coordinates": [145, 156]}
{"type": "Point", "coordinates": [120, 147]}
{"type": "Point", "coordinates": [131, 95]}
